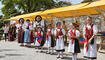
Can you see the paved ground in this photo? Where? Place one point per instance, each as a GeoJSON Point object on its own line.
{"type": "Point", "coordinates": [12, 51]}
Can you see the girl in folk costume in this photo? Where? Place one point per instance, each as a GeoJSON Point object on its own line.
{"type": "Point", "coordinates": [27, 34]}
{"type": "Point", "coordinates": [74, 47]}
{"type": "Point", "coordinates": [59, 34]}
{"type": "Point", "coordinates": [21, 28]}
{"type": "Point", "coordinates": [39, 37]}
{"type": "Point", "coordinates": [89, 32]}
{"type": "Point", "coordinates": [49, 39]}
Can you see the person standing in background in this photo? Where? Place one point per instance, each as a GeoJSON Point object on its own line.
{"type": "Point", "coordinates": [6, 29]}
{"type": "Point", "coordinates": [66, 30]}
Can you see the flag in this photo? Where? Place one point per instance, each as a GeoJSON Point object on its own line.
{"type": "Point", "coordinates": [39, 39]}
{"type": "Point", "coordinates": [82, 40]}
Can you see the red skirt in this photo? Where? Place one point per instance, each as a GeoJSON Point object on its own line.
{"type": "Point", "coordinates": [31, 37]}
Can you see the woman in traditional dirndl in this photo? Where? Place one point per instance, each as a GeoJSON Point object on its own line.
{"type": "Point", "coordinates": [59, 33]}
{"type": "Point", "coordinates": [11, 36]}
{"type": "Point", "coordinates": [21, 28]}
{"type": "Point", "coordinates": [90, 46]}
{"type": "Point", "coordinates": [27, 34]}
{"type": "Point", "coordinates": [74, 47]}
{"type": "Point", "coordinates": [49, 39]}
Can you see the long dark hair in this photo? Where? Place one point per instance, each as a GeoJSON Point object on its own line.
{"type": "Point", "coordinates": [39, 17]}
{"type": "Point", "coordinates": [21, 19]}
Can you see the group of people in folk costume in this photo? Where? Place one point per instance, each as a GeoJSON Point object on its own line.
{"type": "Point", "coordinates": [47, 38]}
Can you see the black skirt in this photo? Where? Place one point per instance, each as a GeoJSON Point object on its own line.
{"type": "Point", "coordinates": [77, 46]}
{"type": "Point", "coordinates": [52, 41]}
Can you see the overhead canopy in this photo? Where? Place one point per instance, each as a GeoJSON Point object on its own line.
{"type": "Point", "coordinates": [77, 10]}
{"type": "Point", "coordinates": [30, 16]}
{"type": "Point", "coordinates": [90, 8]}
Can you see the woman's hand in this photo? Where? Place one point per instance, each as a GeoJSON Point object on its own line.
{"type": "Point", "coordinates": [61, 36]}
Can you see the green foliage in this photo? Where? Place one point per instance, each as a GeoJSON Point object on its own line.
{"type": "Point", "coordinates": [16, 7]}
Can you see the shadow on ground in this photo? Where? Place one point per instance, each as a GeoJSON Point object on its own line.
{"type": "Point", "coordinates": [14, 54]}
{"type": "Point", "coordinates": [70, 58]}
{"type": "Point", "coordinates": [2, 57]}
{"type": "Point", "coordinates": [7, 50]}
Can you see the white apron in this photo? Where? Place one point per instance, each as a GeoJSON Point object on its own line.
{"type": "Point", "coordinates": [48, 41]}
{"type": "Point", "coordinates": [71, 46]}
{"type": "Point", "coordinates": [60, 41]}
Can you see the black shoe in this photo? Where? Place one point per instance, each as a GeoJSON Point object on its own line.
{"type": "Point", "coordinates": [41, 51]}
{"type": "Point", "coordinates": [47, 52]}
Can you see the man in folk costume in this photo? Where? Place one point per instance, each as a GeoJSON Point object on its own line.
{"type": "Point", "coordinates": [74, 47]}
{"type": "Point", "coordinates": [39, 22]}
{"type": "Point", "coordinates": [90, 46]}
{"type": "Point", "coordinates": [27, 35]}
{"type": "Point", "coordinates": [49, 39]}
{"type": "Point", "coordinates": [59, 33]}
{"type": "Point", "coordinates": [21, 28]}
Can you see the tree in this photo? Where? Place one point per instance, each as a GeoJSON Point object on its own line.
{"type": "Point", "coordinates": [62, 3]}
{"type": "Point", "coordinates": [84, 1]}
{"type": "Point", "coordinates": [16, 7]}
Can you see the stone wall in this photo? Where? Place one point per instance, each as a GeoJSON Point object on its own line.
{"type": "Point", "coordinates": [97, 19]}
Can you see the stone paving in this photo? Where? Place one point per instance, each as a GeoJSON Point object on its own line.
{"type": "Point", "coordinates": [12, 51]}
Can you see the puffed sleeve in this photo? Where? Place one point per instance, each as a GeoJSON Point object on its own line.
{"type": "Point", "coordinates": [84, 30]}
{"type": "Point", "coordinates": [95, 30]}
{"type": "Point", "coordinates": [52, 31]}
{"type": "Point", "coordinates": [42, 33]}
{"type": "Point", "coordinates": [35, 33]}
{"type": "Point", "coordinates": [23, 27]}
{"type": "Point", "coordinates": [30, 27]}
{"type": "Point", "coordinates": [63, 31]}
{"type": "Point", "coordinates": [34, 24]}
{"type": "Point", "coordinates": [55, 32]}
{"type": "Point", "coordinates": [42, 23]}
{"type": "Point", "coordinates": [77, 33]}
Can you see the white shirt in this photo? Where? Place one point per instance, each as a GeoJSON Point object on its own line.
{"type": "Point", "coordinates": [6, 29]}
{"type": "Point", "coordinates": [77, 33]}
{"type": "Point", "coordinates": [95, 29]}
{"type": "Point", "coordinates": [41, 23]}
